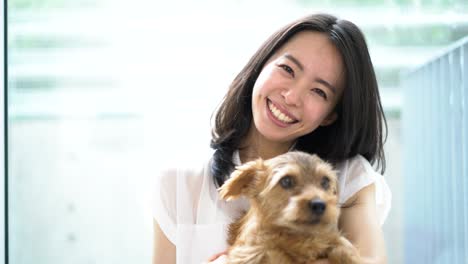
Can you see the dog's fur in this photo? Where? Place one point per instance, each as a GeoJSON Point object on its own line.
{"type": "Point", "coordinates": [283, 225]}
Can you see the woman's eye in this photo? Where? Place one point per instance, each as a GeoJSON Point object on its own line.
{"type": "Point", "coordinates": [325, 183]}
{"type": "Point", "coordinates": [287, 182]}
{"type": "Point", "coordinates": [287, 69]}
{"type": "Point", "coordinates": [320, 92]}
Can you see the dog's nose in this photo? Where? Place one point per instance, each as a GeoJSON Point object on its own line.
{"type": "Point", "coordinates": [317, 206]}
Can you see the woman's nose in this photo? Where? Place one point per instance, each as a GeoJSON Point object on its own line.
{"type": "Point", "coordinates": [292, 95]}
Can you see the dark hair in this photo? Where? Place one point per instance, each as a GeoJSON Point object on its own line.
{"type": "Point", "coordinates": [361, 120]}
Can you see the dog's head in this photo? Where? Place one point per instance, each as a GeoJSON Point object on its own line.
{"type": "Point", "coordinates": [295, 190]}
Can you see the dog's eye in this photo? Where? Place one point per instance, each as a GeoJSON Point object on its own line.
{"type": "Point", "coordinates": [325, 183]}
{"type": "Point", "coordinates": [287, 182]}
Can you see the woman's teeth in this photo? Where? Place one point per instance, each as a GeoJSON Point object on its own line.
{"type": "Point", "coordinates": [280, 116]}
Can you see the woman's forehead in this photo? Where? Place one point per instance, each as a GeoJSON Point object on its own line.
{"type": "Point", "coordinates": [307, 44]}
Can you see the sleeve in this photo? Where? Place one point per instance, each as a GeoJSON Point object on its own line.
{"type": "Point", "coordinates": [358, 173]}
{"type": "Point", "coordinates": [164, 204]}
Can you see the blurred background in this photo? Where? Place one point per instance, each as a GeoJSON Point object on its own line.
{"type": "Point", "coordinates": [101, 93]}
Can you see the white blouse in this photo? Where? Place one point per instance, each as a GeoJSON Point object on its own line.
{"type": "Point", "coordinates": [189, 211]}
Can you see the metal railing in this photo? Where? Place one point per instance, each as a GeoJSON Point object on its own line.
{"type": "Point", "coordinates": [435, 147]}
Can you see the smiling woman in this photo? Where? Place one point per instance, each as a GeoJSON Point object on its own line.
{"type": "Point", "coordinates": [310, 87]}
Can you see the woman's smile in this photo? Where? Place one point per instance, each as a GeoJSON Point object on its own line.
{"type": "Point", "coordinates": [279, 116]}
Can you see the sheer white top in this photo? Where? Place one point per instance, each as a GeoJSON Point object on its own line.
{"type": "Point", "coordinates": [188, 210]}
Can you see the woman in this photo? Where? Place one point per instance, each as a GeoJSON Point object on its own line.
{"type": "Point", "coordinates": [311, 87]}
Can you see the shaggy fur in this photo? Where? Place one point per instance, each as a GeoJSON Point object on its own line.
{"type": "Point", "coordinates": [293, 215]}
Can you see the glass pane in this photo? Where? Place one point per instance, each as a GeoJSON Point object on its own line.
{"type": "Point", "coordinates": [76, 140]}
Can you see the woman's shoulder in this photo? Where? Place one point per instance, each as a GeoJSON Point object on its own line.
{"type": "Point", "coordinates": [356, 166]}
{"type": "Point", "coordinates": [186, 166]}
{"type": "Point", "coordinates": [354, 174]}
{"type": "Point", "coordinates": [176, 190]}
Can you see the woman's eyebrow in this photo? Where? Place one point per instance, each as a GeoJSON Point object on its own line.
{"type": "Point", "coordinates": [293, 59]}
{"type": "Point", "coordinates": [327, 84]}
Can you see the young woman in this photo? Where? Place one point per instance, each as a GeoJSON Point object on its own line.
{"type": "Point", "coordinates": [311, 86]}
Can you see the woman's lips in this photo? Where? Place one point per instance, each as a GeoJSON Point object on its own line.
{"type": "Point", "coordinates": [281, 117]}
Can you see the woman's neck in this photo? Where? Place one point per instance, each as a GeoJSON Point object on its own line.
{"type": "Point", "coordinates": [256, 146]}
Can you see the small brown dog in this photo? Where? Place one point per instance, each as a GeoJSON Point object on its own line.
{"type": "Point", "coordinates": [293, 215]}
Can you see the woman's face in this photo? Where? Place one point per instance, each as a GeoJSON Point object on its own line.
{"type": "Point", "coordinates": [298, 88]}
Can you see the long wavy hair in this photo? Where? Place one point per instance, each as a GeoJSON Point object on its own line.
{"type": "Point", "coordinates": [361, 123]}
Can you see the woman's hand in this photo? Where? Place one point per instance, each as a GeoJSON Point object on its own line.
{"type": "Point", "coordinates": [219, 258]}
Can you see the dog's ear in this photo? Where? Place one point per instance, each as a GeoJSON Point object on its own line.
{"type": "Point", "coordinates": [242, 180]}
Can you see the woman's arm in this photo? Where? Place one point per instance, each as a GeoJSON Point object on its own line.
{"type": "Point", "coordinates": [163, 250]}
{"type": "Point", "coordinates": [359, 223]}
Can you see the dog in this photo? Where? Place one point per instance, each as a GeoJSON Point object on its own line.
{"type": "Point", "coordinates": [293, 215]}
